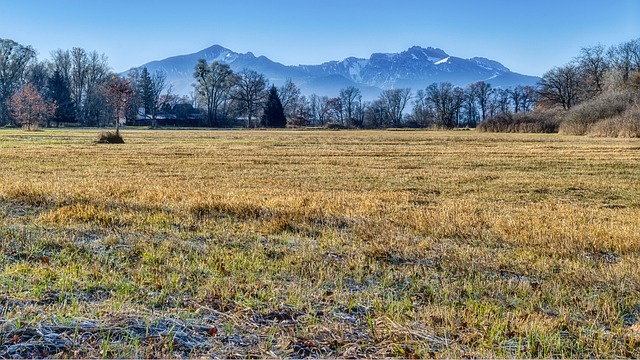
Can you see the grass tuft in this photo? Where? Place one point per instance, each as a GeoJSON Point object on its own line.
{"type": "Point", "coordinates": [109, 137]}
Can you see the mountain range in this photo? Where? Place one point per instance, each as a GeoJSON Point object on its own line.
{"type": "Point", "coordinates": [416, 68]}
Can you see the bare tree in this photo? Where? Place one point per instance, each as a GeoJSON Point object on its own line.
{"type": "Point", "coordinates": [37, 75]}
{"type": "Point", "coordinates": [29, 108]}
{"type": "Point", "coordinates": [61, 62]}
{"type": "Point", "coordinates": [169, 99]}
{"type": "Point", "coordinates": [250, 92]}
{"type": "Point", "coordinates": [360, 111]}
{"type": "Point", "coordinates": [395, 100]}
{"type": "Point", "coordinates": [289, 95]}
{"type": "Point", "coordinates": [97, 73]}
{"type": "Point", "coordinates": [86, 72]}
{"type": "Point", "coordinates": [79, 69]}
{"type": "Point", "coordinates": [483, 92]}
{"type": "Point", "coordinates": [349, 98]}
{"type": "Point", "coordinates": [502, 101]}
{"type": "Point", "coordinates": [376, 114]}
{"type": "Point", "coordinates": [516, 95]}
{"type": "Point", "coordinates": [14, 60]}
{"type": "Point", "coordinates": [213, 86]}
{"type": "Point", "coordinates": [316, 104]}
{"type": "Point", "coordinates": [458, 97]}
{"type": "Point", "coordinates": [442, 98]}
{"type": "Point", "coordinates": [334, 110]}
{"type": "Point", "coordinates": [118, 93]}
{"type": "Point", "coordinates": [470, 98]}
{"type": "Point", "coordinates": [561, 85]}
{"type": "Point", "coordinates": [625, 58]}
{"type": "Point", "coordinates": [422, 114]}
{"type": "Point", "coordinates": [529, 97]}
{"type": "Point", "coordinates": [593, 63]}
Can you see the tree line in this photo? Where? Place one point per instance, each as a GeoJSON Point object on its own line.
{"type": "Point", "coordinates": [75, 87]}
{"type": "Point", "coordinates": [226, 96]}
{"type": "Point", "coordinates": [597, 93]}
{"type": "Point", "coordinates": [594, 70]}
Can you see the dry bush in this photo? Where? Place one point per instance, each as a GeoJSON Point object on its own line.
{"type": "Point", "coordinates": [109, 137]}
{"type": "Point", "coordinates": [626, 125]}
{"type": "Point", "coordinates": [334, 126]}
{"type": "Point", "coordinates": [545, 121]}
{"type": "Point", "coordinates": [608, 105]}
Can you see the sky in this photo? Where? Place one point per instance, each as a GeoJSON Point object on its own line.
{"type": "Point", "coordinates": [528, 37]}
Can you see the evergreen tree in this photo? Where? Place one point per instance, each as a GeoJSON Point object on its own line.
{"type": "Point", "coordinates": [149, 89]}
{"type": "Point", "coordinates": [274, 111]}
{"type": "Point", "coordinates": [60, 94]}
{"type": "Point", "coordinates": [145, 90]}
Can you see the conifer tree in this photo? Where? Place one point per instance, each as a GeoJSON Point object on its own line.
{"type": "Point", "coordinates": [274, 111]}
{"type": "Point", "coordinates": [60, 94]}
{"type": "Point", "coordinates": [149, 88]}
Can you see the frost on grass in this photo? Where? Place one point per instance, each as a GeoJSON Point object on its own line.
{"type": "Point", "coordinates": [117, 337]}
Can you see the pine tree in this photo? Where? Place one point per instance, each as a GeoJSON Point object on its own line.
{"type": "Point", "coordinates": [145, 89]}
{"type": "Point", "coordinates": [149, 88]}
{"type": "Point", "coordinates": [273, 110]}
{"type": "Point", "coordinates": [60, 94]}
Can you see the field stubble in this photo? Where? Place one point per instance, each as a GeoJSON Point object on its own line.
{"type": "Point", "coordinates": [319, 243]}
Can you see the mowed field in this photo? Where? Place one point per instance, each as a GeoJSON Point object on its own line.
{"type": "Point", "coordinates": [318, 243]}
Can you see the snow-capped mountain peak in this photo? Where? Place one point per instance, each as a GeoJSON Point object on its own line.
{"type": "Point", "coordinates": [416, 68]}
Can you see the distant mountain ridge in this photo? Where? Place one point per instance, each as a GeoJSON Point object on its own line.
{"type": "Point", "coordinates": [417, 68]}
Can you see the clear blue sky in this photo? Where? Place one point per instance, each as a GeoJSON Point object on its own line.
{"type": "Point", "coordinates": [526, 36]}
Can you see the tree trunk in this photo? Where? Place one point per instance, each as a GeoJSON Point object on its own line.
{"type": "Point", "coordinates": [117, 124]}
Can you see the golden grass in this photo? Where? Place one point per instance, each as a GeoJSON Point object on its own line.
{"type": "Point", "coordinates": [295, 243]}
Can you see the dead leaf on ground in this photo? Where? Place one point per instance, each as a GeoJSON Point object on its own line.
{"type": "Point", "coordinates": [212, 331]}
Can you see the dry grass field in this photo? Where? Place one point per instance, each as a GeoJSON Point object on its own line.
{"type": "Point", "coordinates": [318, 243]}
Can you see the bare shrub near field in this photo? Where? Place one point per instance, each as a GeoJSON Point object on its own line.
{"type": "Point", "coordinates": [608, 106]}
{"type": "Point", "coordinates": [546, 121]}
{"type": "Point", "coordinates": [626, 125]}
{"type": "Point", "coordinates": [334, 126]}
